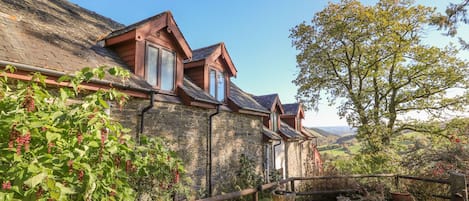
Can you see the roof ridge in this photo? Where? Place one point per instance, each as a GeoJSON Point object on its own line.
{"type": "Point", "coordinates": [92, 13]}
{"type": "Point", "coordinates": [133, 26]}
{"type": "Point", "coordinates": [207, 47]}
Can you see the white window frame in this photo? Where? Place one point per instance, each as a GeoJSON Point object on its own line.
{"type": "Point", "coordinates": [216, 86]}
{"type": "Point", "coordinates": [159, 66]}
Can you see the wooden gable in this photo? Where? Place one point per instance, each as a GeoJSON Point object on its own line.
{"type": "Point", "coordinates": [293, 119]}
{"type": "Point", "coordinates": [216, 58]}
{"type": "Point", "coordinates": [161, 30]}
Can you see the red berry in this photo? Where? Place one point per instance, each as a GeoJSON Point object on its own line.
{"type": "Point", "coordinates": [128, 166]}
{"type": "Point", "coordinates": [39, 193]}
{"type": "Point", "coordinates": [79, 138]}
{"type": "Point", "coordinates": [176, 177]}
{"type": "Point", "coordinates": [10, 145]}
{"type": "Point", "coordinates": [6, 185]}
{"type": "Point", "coordinates": [103, 136]}
{"type": "Point", "coordinates": [49, 147]}
{"type": "Point", "coordinates": [70, 166]}
{"type": "Point", "coordinates": [18, 149]}
{"type": "Point", "coordinates": [80, 175]}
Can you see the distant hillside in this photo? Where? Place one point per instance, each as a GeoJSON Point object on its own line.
{"type": "Point", "coordinates": [346, 139]}
{"type": "Point", "coordinates": [315, 133]}
{"type": "Point", "coordinates": [323, 132]}
{"type": "Point", "coordinates": [338, 130]}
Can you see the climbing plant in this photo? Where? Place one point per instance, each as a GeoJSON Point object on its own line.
{"type": "Point", "coordinates": [59, 144]}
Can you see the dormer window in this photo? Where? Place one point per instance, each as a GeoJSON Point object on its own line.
{"type": "Point", "coordinates": [217, 84]}
{"type": "Point", "coordinates": [160, 65]}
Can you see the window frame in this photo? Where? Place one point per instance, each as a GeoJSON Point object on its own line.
{"type": "Point", "coordinates": [159, 67]}
{"type": "Point", "coordinates": [217, 73]}
{"type": "Point", "coordinates": [275, 126]}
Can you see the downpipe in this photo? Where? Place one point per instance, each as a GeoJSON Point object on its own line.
{"type": "Point", "coordinates": [275, 155]}
{"type": "Point", "coordinates": [142, 114]}
{"type": "Point", "coordinates": [209, 151]}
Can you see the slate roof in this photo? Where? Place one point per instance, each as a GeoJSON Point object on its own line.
{"type": "Point", "coordinates": [307, 133]}
{"type": "Point", "coordinates": [202, 53]}
{"type": "Point", "coordinates": [270, 134]}
{"type": "Point", "coordinates": [266, 100]}
{"type": "Point", "coordinates": [313, 132]}
{"type": "Point", "coordinates": [244, 100]}
{"type": "Point", "coordinates": [291, 109]}
{"type": "Point", "coordinates": [57, 35]}
{"type": "Point", "coordinates": [133, 26]}
{"type": "Point", "coordinates": [196, 92]}
{"type": "Point", "coordinates": [288, 131]}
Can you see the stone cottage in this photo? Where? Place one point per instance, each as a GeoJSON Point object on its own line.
{"type": "Point", "coordinates": [185, 96]}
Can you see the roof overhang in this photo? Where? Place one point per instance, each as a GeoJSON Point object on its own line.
{"type": "Point", "coordinates": [141, 30]}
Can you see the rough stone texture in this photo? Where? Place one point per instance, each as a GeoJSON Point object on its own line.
{"type": "Point", "coordinates": [234, 134]}
{"type": "Point", "coordinates": [185, 129]}
{"type": "Point", "coordinates": [294, 166]}
{"type": "Point", "coordinates": [307, 158]}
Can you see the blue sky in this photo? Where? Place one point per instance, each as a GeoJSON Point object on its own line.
{"type": "Point", "coordinates": [255, 33]}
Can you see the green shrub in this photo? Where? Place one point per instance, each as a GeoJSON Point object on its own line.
{"type": "Point", "coordinates": [59, 144]}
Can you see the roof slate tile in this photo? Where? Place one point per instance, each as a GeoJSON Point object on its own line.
{"type": "Point", "coordinates": [266, 100]}
{"type": "Point", "coordinates": [244, 100]}
{"type": "Point", "coordinates": [57, 35]}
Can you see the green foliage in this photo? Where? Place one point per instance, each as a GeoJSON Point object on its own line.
{"type": "Point", "coordinates": [59, 144]}
{"type": "Point", "coordinates": [381, 162]}
{"type": "Point", "coordinates": [449, 21]}
{"type": "Point", "coordinates": [371, 58]}
{"type": "Point", "coordinates": [441, 153]}
{"type": "Point", "coordinates": [247, 175]}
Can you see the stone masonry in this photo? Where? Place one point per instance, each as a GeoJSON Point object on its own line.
{"type": "Point", "coordinates": [185, 130]}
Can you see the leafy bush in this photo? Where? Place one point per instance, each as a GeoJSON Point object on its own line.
{"type": "Point", "coordinates": [59, 144]}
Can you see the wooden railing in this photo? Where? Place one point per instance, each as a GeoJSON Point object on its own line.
{"type": "Point", "coordinates": [457, 184]}
{"type": "Point", "coordinates": [249, 191]}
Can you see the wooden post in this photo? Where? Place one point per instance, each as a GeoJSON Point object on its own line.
{"type": "Point", "coordinates": [255, 196]}
{"type": "Point", "coordinates": [292, 185]}
{"type": "Point", "coordinates": [396, 182]}
{"type": "Point", "coordinates": [458, 186]}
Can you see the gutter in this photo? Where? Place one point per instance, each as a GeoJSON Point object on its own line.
{"type": "Point", "coordinates": [56, 73]}
{"type": "Point", "coordinates": [209, 150]}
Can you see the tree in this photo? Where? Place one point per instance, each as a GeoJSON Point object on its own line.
{"type": "Point", "coordinates": [371, 58]}
{"type": "Point", "coordinates": [449, 21]}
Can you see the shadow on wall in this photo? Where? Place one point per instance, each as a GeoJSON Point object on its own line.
{"type": "Point", "coordinates": [234, 135]}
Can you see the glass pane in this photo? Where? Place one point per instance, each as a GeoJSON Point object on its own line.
{"type": "Point", "coordinates": [151, 64]}
{"type": "Point", "coordinates": [274, 121]}
{"type": "Point", "coordinates": [167, 70]}
{"type": "Point", "coordinates": [212, 87]}
{"type": "Point", "coordinates": [220, 86]}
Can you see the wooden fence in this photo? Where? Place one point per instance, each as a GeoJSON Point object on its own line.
{"type": "Point", "coordinates": [457, 183]}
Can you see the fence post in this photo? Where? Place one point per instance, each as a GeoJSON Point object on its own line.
{"type": "Point", "coordinates": [396, 182]}
{"type": "Point", "coordinates": [255, 196]}
{"type": "Point", "coordinates": [292, 185]}
{"type": "Point", "coordinates": [458, 186]}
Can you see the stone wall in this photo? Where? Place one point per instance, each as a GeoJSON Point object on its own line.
{"type": "Point", "coordinates": [185, 129]}
{"type": "Point", "coordinates": [234, 134]}
{"type": "Point", "coordinates": [294, 166]}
